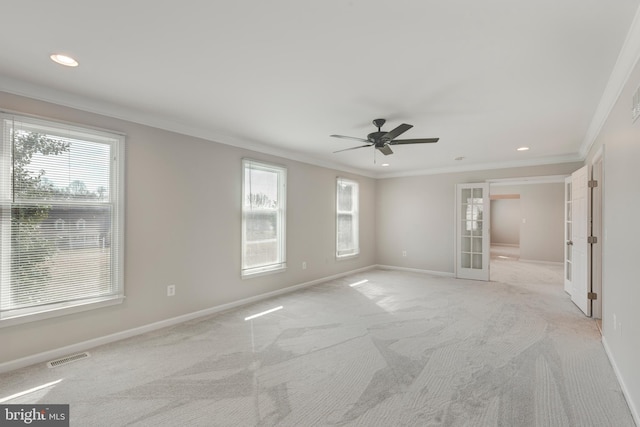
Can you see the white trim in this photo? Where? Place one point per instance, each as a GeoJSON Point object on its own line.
{"type": "Point", "coordinates": [625, 391]}
{"type": "Point", "coordinates": [540, 161]}
{"type": "Point", "coordinates": [263, 271]}
{"type": "Point", "coordinates": [108, 132]}
{"type": "Point", "coordinates": [626, 62]}
{"type": "Point", "coordinates": [61, 309]}
{"type": "Point", "coordinates": [599, 155]}
{"type": "Point", "coordinates": [416, 270]}
{"type": "Point", "coordinates": [47, 94]}
{"type": "Point", "coordinates": [281, 217]}
{"type": "Point", "coordinates": [88, 344]}
{"type": "Point", "coordinates": [548, 179]}
{"type": "Point", "coordinates": [116, 145]}
{"type": "Point", "coordinates": [355, 214]}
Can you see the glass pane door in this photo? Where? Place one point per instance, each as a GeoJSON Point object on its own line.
{"type": "Point", "coordinates": [472, 237]}
{"type": "Point", "coordinates": [568, 254]}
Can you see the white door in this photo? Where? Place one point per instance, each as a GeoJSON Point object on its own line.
{"type": "Point", "coordinates": [596, 230]}
{"type": "Point", "coordinates": [579, 233]}
{"type": "Point", "coordinates": [568, 247]}
{"type": "Point", "coordinates": [472, 231]}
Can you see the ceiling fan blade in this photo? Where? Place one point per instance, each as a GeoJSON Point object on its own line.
{"type": "Point", "coordinates": [385, 149]}
{"type": "Point", "coordinates": [397, 131]}
{"type": "Point", "coordinates": [353, 148]}
{"type": "Point", "coordinates": [349, 137]}
{"type": "Point", "coordinates": [413, 141]}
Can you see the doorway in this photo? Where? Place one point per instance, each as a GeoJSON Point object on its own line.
{"type": "Point", "coordinates": [506, 217]}
{"type": "Point", "coordinates": [527, 219]}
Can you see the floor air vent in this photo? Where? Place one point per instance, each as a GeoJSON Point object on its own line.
{"type": "Point", "coordinates": [68, 359]}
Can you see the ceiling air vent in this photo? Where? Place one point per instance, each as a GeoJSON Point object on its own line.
{"type": "Point", "coordinates": [68, 359]}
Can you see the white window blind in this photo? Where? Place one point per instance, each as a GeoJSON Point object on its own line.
{"type": "Point", "coordinates": [61, 217]}
{"type": "Point", "coordinates": [263, 217]}
{"type": "Point", "coordinates": [347, 221]}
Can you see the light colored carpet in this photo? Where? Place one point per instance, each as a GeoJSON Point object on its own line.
{"type": "Point", "coordinates": [401, 349]}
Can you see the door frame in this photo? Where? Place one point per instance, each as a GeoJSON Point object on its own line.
{"type": "Point", "coordinates": [597, 249]}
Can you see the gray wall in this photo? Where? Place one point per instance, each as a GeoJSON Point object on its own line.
{"type": "Point", "coordinates": [183, 227]}
{"type": "Point", "coordinates": [621, 281]}
{"type": "Point", "coordinates": [188, 234]}
{"type": "Point", "coordinates": [542, 207]}
{"type": "Point", "coordinates": [505, 222]}
{"type": "Point", "coordinates": [416, 214]}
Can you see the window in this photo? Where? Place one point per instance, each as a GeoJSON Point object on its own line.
{"type": "Point", "coordinates": [263, 217]}
{"type": "Point", "coordinates": [51, 175]}
{"type": "Point", "coordinates": [347, 218]}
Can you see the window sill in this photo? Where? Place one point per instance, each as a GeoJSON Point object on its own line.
{"type": "Point", "coordinates": [347, 257]}
{"type": "Point", "coordinates": [63, 309]}
{"type": "Point", "coordinates": [263, 272]}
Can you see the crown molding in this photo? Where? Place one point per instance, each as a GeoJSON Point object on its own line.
{"type": "Point", "coordinates": [540, 161]}
{"type": "Point", "coordinates": [46, 94]}
{"type": "Point", "coordinates": [545, 179]}
{"type": "Point", "coordinates": [626, 62]}
{"type": "Point", "coordinates": [54, 96]}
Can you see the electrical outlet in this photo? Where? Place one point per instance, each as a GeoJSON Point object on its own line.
{"type": "Point", "coordinates": [404, 253]}
{"type": "Point", "coordinates": [171, 290]}
{"type": "Point", "coordinates": [304, 265]}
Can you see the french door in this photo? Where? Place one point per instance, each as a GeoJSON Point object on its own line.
{"type": "Point", "coordinates": [568, 248]}
{"type": "Point", "coordinates": [472, 231]}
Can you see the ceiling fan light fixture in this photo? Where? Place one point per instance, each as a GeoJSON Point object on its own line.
{"type": "Point", "coordinates": [65, 60]}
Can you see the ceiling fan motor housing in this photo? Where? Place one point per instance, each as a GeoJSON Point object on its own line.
{"type": "Point", "coordinates": [376, 138]}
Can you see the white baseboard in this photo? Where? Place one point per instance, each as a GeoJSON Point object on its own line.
{"type": "Point", "coordinates": [86, 345]}
{"type": "Point", "coordinates": [415, 270]}
{"type": "Point", "coordinates": [632, 407]}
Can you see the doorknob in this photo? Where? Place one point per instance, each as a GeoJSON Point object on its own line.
{"type": "Point", "coordinates": [570, 242]}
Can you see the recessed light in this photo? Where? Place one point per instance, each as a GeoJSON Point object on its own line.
{"type": "Point", "coordinates": [384, 165]}
{"type": "Point", "coordinates": [65, 60]}
{"type": "Point", "coordinates": [523, 148]}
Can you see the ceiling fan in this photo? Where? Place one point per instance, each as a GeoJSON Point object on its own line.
{"type": "Point", "coordinates": [382, 140]}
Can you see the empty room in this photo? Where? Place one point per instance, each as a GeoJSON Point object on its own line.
{"type": "Point", "coordinates": [333, 213]}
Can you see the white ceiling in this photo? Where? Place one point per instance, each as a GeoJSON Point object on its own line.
{"type": "Point", "coordinates": [281, 76]}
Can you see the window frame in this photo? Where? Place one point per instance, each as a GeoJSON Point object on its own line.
{"type": "Point", "coordinates": [281, 264]}
{"type": "Point", "coordinates": [116, 141]}
{"type": "Point", "coordinates": [354, 212]}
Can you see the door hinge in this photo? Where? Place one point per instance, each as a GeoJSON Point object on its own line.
{"type": "Point", "coordinates": [592, 295]}
{"type": "Point", "coordinates": [593, 183]}
{"type": "Point", "coordinates": [592, 239]}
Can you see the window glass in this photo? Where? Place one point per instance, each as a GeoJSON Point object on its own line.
{"type": "Point", "coordinates": [263, 218]}
{"type": "Point", "coordinates": [347, 243]}
{"type": "Point", "coordinates": [60, 217]}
